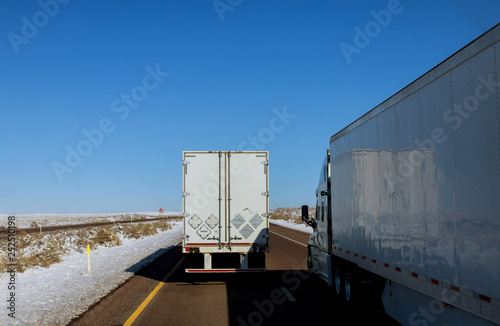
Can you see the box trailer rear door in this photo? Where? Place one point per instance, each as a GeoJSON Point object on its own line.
{"type": "Point", "coordinates": [226, 199]}
{"type": "Point", "coordinates": [247, 188]}
{"type": "Point", "coordinates": [204, 194]}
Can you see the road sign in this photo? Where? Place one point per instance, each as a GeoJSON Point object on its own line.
{"type": "Point", "coordinates": [161, 210]}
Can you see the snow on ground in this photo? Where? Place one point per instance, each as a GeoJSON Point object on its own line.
{"type": "Point", "coordinates": [300, 227]}
{"type": "Point", "coordinates": [55, 295]}
{"type": "Point", "coordinates": [25, 220]}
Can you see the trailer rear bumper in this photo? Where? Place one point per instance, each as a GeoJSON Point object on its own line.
{"type": "Point", "coordinates": [225, 262]}
{"type": "Point", "coordinates": [224, 270]}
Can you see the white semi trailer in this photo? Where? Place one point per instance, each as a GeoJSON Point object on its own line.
{"type": "Point", "coordinates": [225, 206]}
{"type": "Point", "coordinates": [409, 197]}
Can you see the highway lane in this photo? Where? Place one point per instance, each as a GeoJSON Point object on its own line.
{"type": "Point", "coordinates": [285, 294]}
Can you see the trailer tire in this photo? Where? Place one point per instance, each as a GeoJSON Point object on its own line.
{"type": "Point", "coordinates": [347, 286]}
{"type": "Point", "coordinates": [352, 284]}
{"type": "Point", "coordinates": [337, 281]}
{"type": "Point", "coordinates": [346, 281]}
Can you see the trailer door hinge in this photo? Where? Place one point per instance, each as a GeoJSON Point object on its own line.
{"type": "Point", "coordinates": [184, 194]}
{"type": "Point", "coordinates": [185, 166]}
{"type": "Point", "coordinates": [266, 193]}
{"type": "Point", "coordinates": [265, 162]}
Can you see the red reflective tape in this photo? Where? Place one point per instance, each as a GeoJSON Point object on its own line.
{"type": "Point", "coordinates": [355, 255]}
{"type": "Point", "coordinates": [455, 288]}
{"type": "Point", "coordinates": [433, 281]}
{"type": "Point", "coordinates": [386, 265]}
{"type": "Point", "coordinates": [374, 261]}
{"type": "Point", "coordinates": [414, 274]}
{"type": "Point", "coordinates": [347, 251]}
{"type": "Point", "coordinates": [398, 269]}
{"type": "Point", "coordinates": [364, 257]}
{"type": "Point", "coordinates": [340, 249]}
{"type": "Point", "coordinates": [484, 298]}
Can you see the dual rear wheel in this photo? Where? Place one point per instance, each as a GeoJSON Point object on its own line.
{"type": "Point", "coordinates": [343, 282]}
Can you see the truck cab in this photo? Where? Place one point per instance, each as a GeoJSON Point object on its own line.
{"type": "Point", "coordinates": [318, 261]}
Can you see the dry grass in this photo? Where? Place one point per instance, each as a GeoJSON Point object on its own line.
{"type": "Point", "coordinates": [139, 230]}
{"type": "Point", "coordinates": [105, 236]}
{"type": "Point", "coordinates": [290, 214]}
{"type": "Point", "coordinates": [39, 250]}
{"type": "Point", "coordinates": [43, 250]}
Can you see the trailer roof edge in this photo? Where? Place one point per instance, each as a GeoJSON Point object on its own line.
{"type": "Point", "coordinates": [478, 45]}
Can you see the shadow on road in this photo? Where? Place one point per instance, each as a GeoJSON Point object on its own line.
{"type": "Point", "coordinates": [275, 297]}
{"type": "Point", "coordinates": [138, 267]}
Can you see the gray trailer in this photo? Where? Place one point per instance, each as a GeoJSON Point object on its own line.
{"type": "Point", "coordinates": [409, 196]}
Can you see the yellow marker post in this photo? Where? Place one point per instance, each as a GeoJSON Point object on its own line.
{"type": "Point", "coordinates": [88, 256]}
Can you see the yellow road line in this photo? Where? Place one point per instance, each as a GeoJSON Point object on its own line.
{"type": "Point", "coordinates": [143, 305]}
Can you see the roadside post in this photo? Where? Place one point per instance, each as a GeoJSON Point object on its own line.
{"type": "Point", "coordinates": [88, 257]}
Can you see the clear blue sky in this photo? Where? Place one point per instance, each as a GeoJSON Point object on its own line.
{"type": "Point", "coordinates": [160, 77]}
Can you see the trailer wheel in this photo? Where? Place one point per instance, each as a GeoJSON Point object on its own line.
{"type": "Point", "coordinates": [347, 286]}
{"type": "Point", "coordinates": [353, 288]}
{"type": "Point", "coordinates": [337, 280]}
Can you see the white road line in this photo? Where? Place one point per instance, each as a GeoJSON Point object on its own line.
{"type": "Point", "coordinates": [300, 243]}
{"type": "Point", "coordinates": [288, 294]}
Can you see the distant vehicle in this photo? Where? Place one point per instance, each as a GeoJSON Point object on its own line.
{"type": "Point", "coordinates": [226, 207]}
{"type": "Point", "coordinates": [409, 197]}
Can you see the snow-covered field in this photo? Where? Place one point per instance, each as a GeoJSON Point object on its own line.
{"type": "Point", "coordinates": [300, 227]}
{"type": "Point", "coordinates": [55, 295]}
{"type": "Point", "coordinates": [25, 220]}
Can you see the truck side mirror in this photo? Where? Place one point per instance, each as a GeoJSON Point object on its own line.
{"type": "Point", "coordinates": [305, 217]}
{"type": "Point", "coordinates": [305, 213]}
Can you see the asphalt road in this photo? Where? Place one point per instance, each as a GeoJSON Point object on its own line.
{"type": "Point", "coordinates": [284, 295]}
